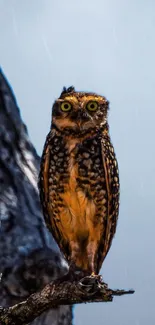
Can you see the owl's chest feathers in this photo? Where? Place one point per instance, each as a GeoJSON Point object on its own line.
{"type": "Point", "coordinates": [71, 146]}
{"type": "Point", "coordinates": [78, 207]}
{"type": "Point", "coordinates": [80, 185]}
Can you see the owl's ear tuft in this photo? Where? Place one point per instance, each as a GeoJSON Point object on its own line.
{"type": "Point", "coordinates": [65, 90]}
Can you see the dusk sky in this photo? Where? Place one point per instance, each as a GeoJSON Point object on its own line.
{"type": "Point", "coordinates": [106, 46]}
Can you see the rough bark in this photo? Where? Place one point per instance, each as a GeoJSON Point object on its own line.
{"type": "Point", "coordinates": [29, 257]}
{"type": "Point", "coordinates": [57, 293]}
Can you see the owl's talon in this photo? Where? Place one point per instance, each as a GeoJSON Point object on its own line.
{"type": "Point", "coordinates": [100, 280]}
{"type": "Point", "coordinates": [91, 284]}
{"type": "Point", "coordinates": [97, 277]}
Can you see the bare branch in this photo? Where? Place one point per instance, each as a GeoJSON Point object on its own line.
{"type": "Point", "coordinates": [58, 293]}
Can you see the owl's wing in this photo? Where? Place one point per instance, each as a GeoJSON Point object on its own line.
{"type": "Point", "coordinates": [43, 178]}
{"type": "Point", "coordinates": [50, 216]}
{"type": "Point", "coordinates": [112, 182]}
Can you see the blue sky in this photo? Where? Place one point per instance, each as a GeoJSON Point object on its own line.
{"type": "Point", "coordinates": [106, 46]}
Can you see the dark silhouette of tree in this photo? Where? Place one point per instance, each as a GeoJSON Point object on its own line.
{"type": "Point", "coordinates": [29, 257]}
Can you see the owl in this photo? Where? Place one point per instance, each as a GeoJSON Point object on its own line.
{"type": "Point", "coordinates": [79, 180]}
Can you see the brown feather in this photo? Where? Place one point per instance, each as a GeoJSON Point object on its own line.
{"type": "Point", "coordinates": [79, 184]}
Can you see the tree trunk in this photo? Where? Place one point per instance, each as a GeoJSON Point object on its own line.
{"type": "Point", "coordinates": [29, 257]}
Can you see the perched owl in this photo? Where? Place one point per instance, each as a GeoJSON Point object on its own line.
{"type": "Point", "coordinates": [79, 180]}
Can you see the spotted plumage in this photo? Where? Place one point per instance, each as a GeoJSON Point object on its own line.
{"type": "Point", "coordinates": [79, 180]}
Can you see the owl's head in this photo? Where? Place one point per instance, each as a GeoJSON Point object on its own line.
{"type": "Point", "coordinates": [79, 112]}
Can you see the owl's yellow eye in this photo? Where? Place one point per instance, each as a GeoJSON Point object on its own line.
{"type": "Point", "coordinates": [66, 106]}
{"type": "Point", "coordinates": [92, 106]}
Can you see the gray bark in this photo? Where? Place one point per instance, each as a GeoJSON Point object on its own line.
{"type": "Point", "coordinates": [87, 289]}
{"type": "Point", "coordinates": [29, 257]}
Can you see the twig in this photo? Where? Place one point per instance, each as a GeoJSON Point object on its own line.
{"type": "Point", "coordinates": [58, 293]}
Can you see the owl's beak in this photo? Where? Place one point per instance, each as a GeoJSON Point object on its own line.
{"type": "Point", "coordinates": [79, 123]}
{"type": "Point", "coordinates": [81, 117]}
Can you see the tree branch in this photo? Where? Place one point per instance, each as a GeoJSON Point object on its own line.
{"type": "Point", "coordinates": [58, 293]}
